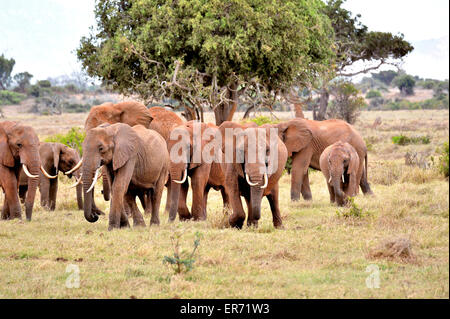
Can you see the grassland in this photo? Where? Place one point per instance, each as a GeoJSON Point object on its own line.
{"type": "Point", "coordinates": [318, 255]}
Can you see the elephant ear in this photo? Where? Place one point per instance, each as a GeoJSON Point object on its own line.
{"type": "Point", "coordinates": [7, 158]}
{"type": "Point", "coordinates": [125, 144]}
{"type": "Point", "coordinates": [56, 148]}
{"type": "Point", "coordinates": [295, 135]}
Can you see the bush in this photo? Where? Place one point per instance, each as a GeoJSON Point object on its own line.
{"type": "Point", "coordinates": [10, 97]}
{"type": "Point", "coordinates": [443, 159]}
{"type": "Point", "coordinates": [405, 140]}
{"type": "Point", "coordinates": [74, 138]}
{"type": "Point", "coordinates": [347, 103]}
{"type": "Point", "coordinates": [76, 107]}
{"type": "Point", "coordinates": [405, 83]}
{"type": "Point", "coordinates": [373, 94]}
{"type": "Point", "coordinates": [260, 120]}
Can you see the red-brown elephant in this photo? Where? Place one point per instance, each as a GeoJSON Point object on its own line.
{"type": "Point", "coordinates": [253, 162]}
{"type": "Point", "coordinates": [305, 141]}
{"type": "Point", "coordinates": [19, 149]}
{"type": "Point", "coordinates": [55, 157]}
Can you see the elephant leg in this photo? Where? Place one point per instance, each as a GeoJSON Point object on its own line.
{"type": "Point", "coordinates": [199, 179]}
{"type": "Point", "coordinates": [52, 194]}
{"type": "Point", "coordinates": [306, 190]}
{"type": "Point", "coordinates": [237, 218]}
{"type": "Point", "coordinates": [12, 204]}
{"type": "Point", "coordinates": [364, 184]}
{"type": "Point", "coordinates": [275, 208]}
{"type": "Point", "coordinates": [138, 219]}
{"type": "Point", "coordinates": [251, 221]}
{"type": "Point", "coordinates": [5, 210]}
{"type": "Point", "coordinates": [331, 191]}
{"type": "Point", "coordinates": [300, 164]}
{"type": "Point", "coordinates": [183, 210]}
{"type": "Point", "coordinates": [143, 199]}
{"type": "Point", "coordinates": [225, 199]}
{"type": "Point", "coordinates": [23, 193]}
{"type": "Point", "coordinates": [155, 198]}
{"type": "Point", "coordinates": [117, 217]}
{"type": "Point", "coordinates": [167, 207]}
{"type": "Point", "coordinates": [44, 188]}
{"type": "Point", "coordinates": [205, 200]}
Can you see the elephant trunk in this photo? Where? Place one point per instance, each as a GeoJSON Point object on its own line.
{"type": "Point", "coordinates": [174, 198]}
{"type": "Point", "coordinates": [33, 183]}
{"type": "Point", "coordinates": [87, 178]}
{"type": "Point", "coordinates": [338, 192]}
{"type": "Point", "coordinates": [256, 193]}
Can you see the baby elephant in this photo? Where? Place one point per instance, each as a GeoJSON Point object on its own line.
{"type": "Point", "coordinates": [339, 164]}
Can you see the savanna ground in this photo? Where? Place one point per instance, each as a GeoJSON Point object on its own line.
{"type": "Point", "coordinates": [318, 255]}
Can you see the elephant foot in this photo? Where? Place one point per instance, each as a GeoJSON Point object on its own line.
{"type": "Point", "coordinates": [237, 223]}
{"type": "Point", "coordinates": [184, 218]}
{"type": "Point", "coordinates": [295, 197]}
{"type": "Point", "coordinates": [252, 223]}
{"type": "Point", "coordinates": [139, 224]}
{"type": "Point", "coordinates": [279, 226]}
{"type": "Point", "coordinates": [307, 197]}
{"type": "Point", "coordinates": [154, 222]}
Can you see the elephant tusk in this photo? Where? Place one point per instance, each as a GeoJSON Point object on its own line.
{"type": "Point", "coordinates": [248, 181]}
{"type": "Point", "coordinates": [184, 178]}
{"type": "Point", "coordinates": [97, 172]}
{"type": "Point", "coordinates": [75, 168]}
{"type": "Point", "coordinates": [78, 181]}
{"type": "Point", "coordinates": [47, 174]}
{"type": "Point", "coordinates": [329, 180]}
{"type": "Point", "coordinates": [25, 169]}
{"type": "Point", "coordinates": [343, 181]}
{"type": "Point", "coordinates": [266, 181]}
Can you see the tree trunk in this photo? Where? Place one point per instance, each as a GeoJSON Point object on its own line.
{"type": "Point", "coordinates": [323, 104]}
{"type": "Point", "coordinates": [298, 110]}
{"type": "Point", "coordinates": [226, 111]}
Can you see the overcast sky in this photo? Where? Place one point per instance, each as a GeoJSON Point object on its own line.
{"type": "Point", "coordinates": [41, 35]}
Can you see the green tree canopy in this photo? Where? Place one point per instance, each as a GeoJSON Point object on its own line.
{"type": "Point", "coordinates": [353, 42]}
{"type": "Point", "coordinates": [6, 67]}
{"type": "Point", "coordinates": [206, 52]}
{"type": "Point", "coordinates": [22, 80]}
{"type": "Point", "coordinates": [405, 83]}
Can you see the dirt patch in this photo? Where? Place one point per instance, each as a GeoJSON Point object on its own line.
{"type": "Point", "coordinates": [399, 249]}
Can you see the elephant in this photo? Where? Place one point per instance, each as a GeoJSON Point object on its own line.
{"type": "Point", "coordinates": [183, 138]}
{"type": "Point", "coordinates": [340, 163]}
{"type": "Point", "coordinates": [55, 157]}
{"type": "Point", "coordinates": [305, 141]}
{"type": "Point", "coordinates": [19, 150]}
{"type": "Point", "coordinates": [136, 161]}
{"type": "Point", "coordinates": [252, 178]}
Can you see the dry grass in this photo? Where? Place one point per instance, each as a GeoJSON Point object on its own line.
{"type": "Point", "coordinates": [318, 255]}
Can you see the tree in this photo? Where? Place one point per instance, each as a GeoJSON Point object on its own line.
{"type": "Point", "coordinates": [207, 54]}
{"type": "Point", "coordinates": [385, 77]}
{"type": "Point", "coordinates": [353, 43]}
{"type": "Point", "coordinates": [6, 67]}
{"type": "Point", "coordinates": [347, 102]}
{"type": "Point", "coordinates": [22, 80]}
{"type": "Point", "coordinates": [405, 83]}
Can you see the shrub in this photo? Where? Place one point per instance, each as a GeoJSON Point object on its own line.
{"type": "Point", "coordinates": [347, 102]}
{"type": "Point", "coordinates": [260, 120]}
{"type": "Point", "coordinates": [10, 97]}
{"type": "Point", "coordinates": [405, 83]}
{"type": "Point", "coordinates": [351, 210]}
{"type": "Point", "coordinates": [74, 138]}
{"type": "Point", "coordinates": [443, 159]}
{"type": "Point", "coordinates": [405, 140]}
{"type": "Point", "coordinates": [182, 260]}
{"type": "Point", "coordinates": [373, 94]}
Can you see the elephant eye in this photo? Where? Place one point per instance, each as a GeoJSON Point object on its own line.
{"type": "Point", "coordinates": [101, 148]}
{"type": "Point", "coordinates": [19, 145]}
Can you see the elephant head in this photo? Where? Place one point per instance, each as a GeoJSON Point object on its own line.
{"type": "Point", "coordinates": [19, 147]}
{"type": "Point", "coordinates": [109, 145]}
{"type": "Point", "coordinates": [295, 134]}
{"type": "Point", "coordinates": [62, 158]}
{"type": "Point", "coordinates": [343, 163]}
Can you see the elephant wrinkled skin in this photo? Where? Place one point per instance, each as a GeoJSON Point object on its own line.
{"type": "Point", "coordinates": [340, 163]}
{"type": "Point", "coordinates": [136, 161]}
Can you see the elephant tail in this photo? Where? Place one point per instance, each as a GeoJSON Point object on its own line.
{"type": "Point", "coordinates": [365, 170]}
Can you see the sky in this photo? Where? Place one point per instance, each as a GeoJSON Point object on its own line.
{"type": "Point", "coordinates": [42, 35]}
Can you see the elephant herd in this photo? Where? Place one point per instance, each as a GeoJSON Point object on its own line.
{"type": "Point", "coordinates": [139, 151]}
